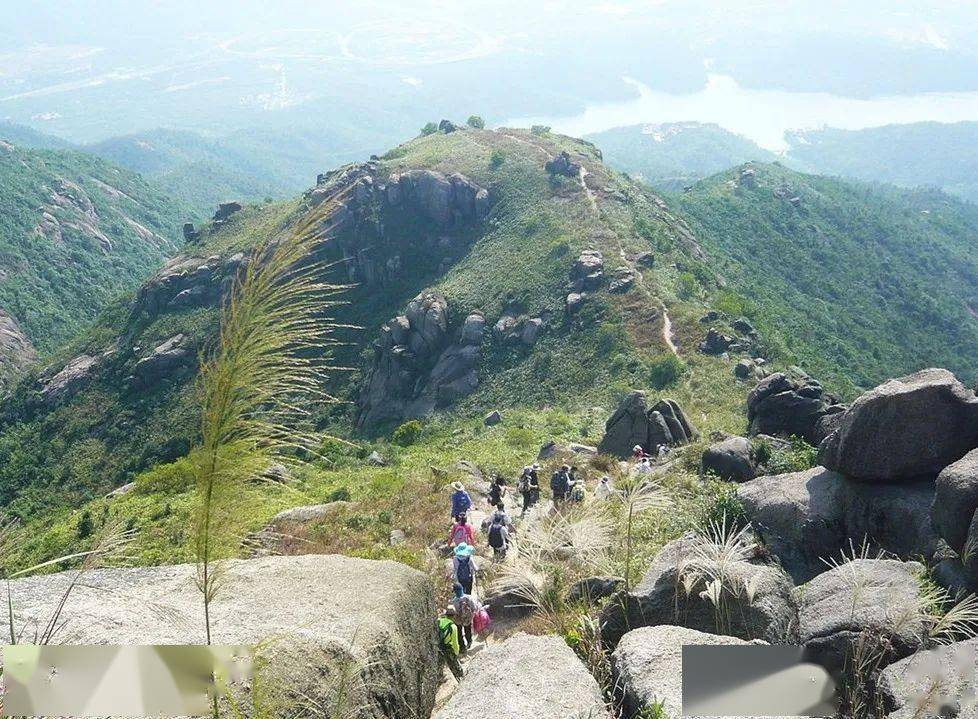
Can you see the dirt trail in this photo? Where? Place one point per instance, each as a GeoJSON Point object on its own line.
{"type": "Point", "coordinates": [667, 332]}
{"type": "Point", "coordinates": [587, 190]}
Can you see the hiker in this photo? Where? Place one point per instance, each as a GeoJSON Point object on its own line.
{"type": "Point", "coordinates": [497, 491]}
{"type": "Point", "coordinates": [662, 451]}
{"type": "Point", "coordinates": [464, 567]}
{"type": "Point", "coordinates": [503, 517]}
{"type": "Point", "coordinates": [461, 532]}
{"type": "Point", "coordinates": [498, 536]}
{"type": "Point", "coordinates": [448, 633]}
{"type": "Point", "coordinates": [465, 608]}
{"type": "Point", "coordinates": [529, 486]}
{"type": "Point", "coordinates": [638, 453]}
{"type": "Point", "coordinates": [604, 491]}
{"type": "Point", "coordinates": [644, 467]}
{"type": "Point", "coordinates": [577, 491]}
{"type": "Point", "coordinates": [461, 501]}
{"type": "Point", "coordinates": [560, 484]}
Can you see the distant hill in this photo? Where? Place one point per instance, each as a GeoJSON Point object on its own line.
{"type": "Point", "coordinates": [857, 283]}
{"type": "Point", "coordinates": [670, 156]}
{"type": "Point", "coordinates": [923, 154]}
{"type": "Point", "coordinates": [24, 136]}
{"type": "Point", "coordinates": [75, 231]}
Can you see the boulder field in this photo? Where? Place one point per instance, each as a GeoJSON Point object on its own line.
{"type": "Point", "coordinates": [316, 616]}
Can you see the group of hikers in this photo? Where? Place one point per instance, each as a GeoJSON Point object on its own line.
{"type": "Point", "coordinates": [465, 615]}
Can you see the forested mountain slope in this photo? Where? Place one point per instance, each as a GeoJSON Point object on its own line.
{"type": "Point", "coordinates": [75, 232]}
{"type": "Point", "coordinates": [855, 282]}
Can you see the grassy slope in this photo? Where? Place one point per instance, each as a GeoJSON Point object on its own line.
{"type": "Point", "coordinates": [856, 283]}
{"type": "Point", "coordinates": [533, 235]}
{"type": "Point", "coordinates": [55, 288]}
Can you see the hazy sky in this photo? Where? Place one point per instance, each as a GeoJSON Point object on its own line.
{"type": "Point", "coordinates": [371, 71]}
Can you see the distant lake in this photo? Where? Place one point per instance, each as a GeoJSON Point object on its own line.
{"type": "Point", "coordinates": [762, 115]}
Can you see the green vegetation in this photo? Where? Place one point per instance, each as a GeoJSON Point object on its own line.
{"type": "Point", "coordinates": [105, 230]}
{"type": "Point", "coordinates": [856, 284]}
{"type": "Point", "coordinates": [922, 154]}
{"type": "Point", "coordinates": [475, 121]}
{"type": "Point", "coordinates": [671, 156]}
{"type": "Point", "coordinates": [430, 128]}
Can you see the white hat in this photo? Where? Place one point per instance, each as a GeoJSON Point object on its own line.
{"type": "Point", "coordinates": [458, 486]}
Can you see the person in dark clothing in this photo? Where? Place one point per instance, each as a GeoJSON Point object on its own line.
{"type": "Point", "coordinates": [529, 487]}
{"type": "Point", "coordinates": [560, 484]}
{"type": "Point", "coordinates": [461, 501]}
{"type": "Point", "coordinates": [497, 491]}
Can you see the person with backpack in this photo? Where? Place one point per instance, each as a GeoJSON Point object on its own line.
{"type": "Point", "coordinates": [497, 491]}
{"type": "Point", "coordinates": [529, 487]}
{"type": "Point", "coordinates": [466, 607]}
{"type": "Point", "coordinates": [604, 491]}
{"type": "Point", "coordinates": [578, 490]}
{"type": "Point", "coordinates": [461, 532]}
{"type": "Point", "coordinates": [498, 537]}
{"type": "Point", "coordinates": [560, 484]}
{"type": "Point", "coordinates": [464, 567]}
{"type": "Point", "coordinates": [448, 635]}
{"type": "Point", "coordinates": [461, 501]}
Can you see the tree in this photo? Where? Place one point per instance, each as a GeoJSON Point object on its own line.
{"type": "Point", "coordinates": [496, 158]}
{"type": "Point", "coordinates": [475, 121]}
{"type": "Point", "coordinates": [430, 128]}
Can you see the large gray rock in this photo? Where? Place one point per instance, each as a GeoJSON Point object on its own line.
{"type": "Point", "coordinates": [311, 610]}
{"type": "Point", "coordinates": [634, 423]}
{"type": "Point", "coordinates": [648, 666]}
{"type": "Point", "coordinates": [661, 598]}
{"type": "Point", "coordinates": [526, 676]}
{"type": "Point", "coordinates": [174, 354]}
{"type": "Point", "coordinates": [906, 428]}
{"type": "Point", "coordinates": [956, 499]}
{"type": "Point", "coordinates": [415, 367]}
{"type": "Point", "coordinates": [880, 597]}
{"type": "Point", "coordinates": [730, 459]}
{"type": "Point", "coordinates": [69, 379]}
{"type": "Point", "coordinates": [933, 684]}
{"type": "Point", "coordinates": [445, 200]}
{"type": "Point", "coordinates": [781, 405]}
{"type": "Point", "coordinates": [807, 518]}
{"type": "Point", "coordinates": [16, 350]}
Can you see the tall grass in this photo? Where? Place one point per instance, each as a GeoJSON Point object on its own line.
{"type": "Point", "coordinates": [264, 372]}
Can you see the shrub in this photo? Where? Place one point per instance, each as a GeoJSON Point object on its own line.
{"type": "Point", "coordinates": [686, 285]}
{"type": "Point", "coordinates": [796, 457]}
{"type": "Point", "coordinates": [340, 494]}
{"type": "Point", "coordinates": [665, 370]}
{"type": "Point", "coordinates": [540, 129]}
{"type": "Point", "coordinates": [407, 434]}
{"type": "Point", "coordinates": [496, 158]}
{"type": "Point", "coordinates": [475, 121]}
{"type": "Point", "coordinates": [430, 128]}
{"type": "Point", "coordinates": [85, 525]}
{"type": "Point", "coordinates": [725, 509]}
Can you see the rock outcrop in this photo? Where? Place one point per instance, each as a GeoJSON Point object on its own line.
{"type": "Point", "coordinates": [878, 596]}
{"type": "Point", "coordinates": [781, 405]}
{"type": "Point", "coordinates": [955, 517]}
{"type": "Point", "coordinates": [310, 610]}
{"type": "Point", "coordinates": [166, 359]}
{"type": "Point", "coordinates": [415, 368]}
{"type": "Point", "coordinates": [731, 460]}
{"type": "Point", "coordinates": [526, 676]}
{"type": "Point", "coordinates": [941, 682]}
{"type": "Point", "coordinates": [587, 272]}
{"type": "Point", "coordinates": [16, 350]}
{"type": "Point", "coordinates": [648, 667]}
{"type": "Point", "coordinates": [905, 429]}
{"type": "Point", "coordinates": [715, 342]}
{"type": "Point", "coordinates": [808, 518]}
{"type": "Point", "coordinates": [187, 283]}
{"type": "Point", "coordinates": [673, 592]}
{"type": "Point", "coordinates": [446, 200]}
{"type": "Point", "coordinates": [563, 165]}
{"type": "Point", "coordinates": [68, 380]}
{"type": "Point", "coordinates": [635, 423]}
